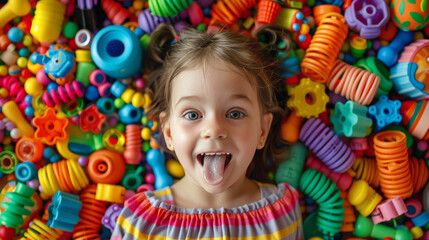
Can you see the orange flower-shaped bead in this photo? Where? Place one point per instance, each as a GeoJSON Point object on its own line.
{"type": "Point", "coordinates": [91, 119]}
{"type": "Point", "coordinates": [49, 128]}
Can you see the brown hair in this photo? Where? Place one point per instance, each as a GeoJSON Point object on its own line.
{"type": "Point", "coordinates": [245, 53]}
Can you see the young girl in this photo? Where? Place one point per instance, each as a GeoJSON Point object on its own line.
{"type": "Point", "coordinates": [219, 114]}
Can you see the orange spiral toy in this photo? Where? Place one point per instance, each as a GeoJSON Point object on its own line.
{"type": "Point", "coordinates": [365, 169]}
{"type": "Point", "coordinates": [419, 173]}
{"type": "Point", "coordinates": [230, 11]}
{"type": "Point", "coordinates": [91, 213]}
{"type": "Point", "coordinates": [349, 214]}
{"type": "Point", "coordinates": [268, 11]}
{"type": "Point", "coordinates": [392, 163]}
{"type": "Point", "coordinates": [65, 175]}
{"type": "Point", "coordinates": [324, 47]}
{"type": "Point", "coordinates": [133, 141]}
{"type": "Point", "coordinates": [353, 83]}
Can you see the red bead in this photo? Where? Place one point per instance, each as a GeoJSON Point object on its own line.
{"type": "Point", "coordinates": [25, 73]}
{"type": "Point", "coordinates": [7, 232]}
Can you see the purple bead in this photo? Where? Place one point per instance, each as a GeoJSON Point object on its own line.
{"type": "Point", "coordinates": [83, 161]}
{"type": "Point", "coordinates": [9, 126]}
{"type": "Point", "coordinates": [2, 126]}
{"type": "Point", "coordinates": [75, 120]}
{"type": "Point", "coordinates": [34, 183]}
{"type": "Point", "coordinates": [40, 188]}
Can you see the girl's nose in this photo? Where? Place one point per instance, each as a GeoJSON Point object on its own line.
{"type": "Point", "coordinates": [214, 128]}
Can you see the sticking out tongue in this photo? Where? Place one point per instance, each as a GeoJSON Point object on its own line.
{"type": "Point", "coordinates": [213, 168]}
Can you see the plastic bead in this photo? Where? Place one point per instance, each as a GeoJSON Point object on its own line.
{"type": "Point", "coordinates": [105, 166]}
{"type": "Point", "coordinates": [114, 140]}
{"type": "Point", "coordinates": [156, 160]}
{"type": "Point", "coordinates": [48, 31]}
{"type": "Point", "coordinates": [308, 98]}
{"type": "Point", "coordinates": [385, 112]}
{"type": "Point", "coordinates": [83, 39]}
{"type": "Point", "coordinates": [408, 78]}
{"type": "Point", "coordinates": [15, 89]}
{"type": "Point", "coordinates": [64, 211]}
{"type": "Point", "coordinates": [105, 105]}
{"type": "Point", "coordinates": [116, 51]}
{"type": "Point", "coordinates": [25, 171]}
{"type": "Point", "coordinates": [14, 210]}
{"type": "Point", "coordinates": [115, 12]}
{"type": "Point", "coordinates": [392, 162]}
{"type": "Point", "coordinates": [15, 35]}
{"type": "Point", "coordinates": [29, 149]}
{"type": "Point", "coordinates": [389, 209]}
{"type": "Point", "coordinates": [111, 215]}
{"type": "Point", "coordinates": [7, 232]}
{"type": "Point", "coordinates": [327, 146]}
{"type": "Point", "coordinates": [128, 114]}
{"type": "Point", "coordinates": [421, 220]}
{"type": "Point", "coordinates": [367, 17]}
{"type": "Point", "coordinates": [358, 46]}
{"type": "Point", "coordinates": [290, 169]}
{"type": "Point", "coordinates": [326, 194]}
{"type": "Point", "coordinates": [91, 120]}
{"type": "Point", "coordinates": [49, 128]}
{"type": "Point", "coordinates": [8, 162]}
{"type": "Point", "coordinates": [329, 36]}
{"type": "Point", "coordinates": [110, 193]}
{"type": "Point", "coordinates": [63, 94]}
{"type": "Point", "coordinates": [291, 127]}
{"type": "Point", "coordinates": [132, 178]}
{"type": "Point", "coordinates": [350, 120]}
{"type": "Point", "coordinates": [174, 168]}
{"type": "Point", "coordinates": [365, 228]}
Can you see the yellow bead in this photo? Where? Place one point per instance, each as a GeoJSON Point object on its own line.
{"type": "Point", "coordinates": [110, 193]}
{"type": "Point", "coordinates": [147, 101]}
{"type": "Point", "coordinates": [22, 62]}
{"type": "Point", "coordinates": [138, 100]}
{"type": "Point", "coordinates": [3, 70]}
{"type": "Point", "coordinates": [174, 168]}
{"type": "Point", "coordinates": [127, 95]}
{"type": "Point", "coordinates": [33, 87]}
{"type": "Point", "coordinates": [154, 125]}
{"type": "Point", "coordinates": [33, 67]}
{"type": "Point", "coordinates": [146, 133]}
{"type": "Point", "coordinates": [138, 5]}
{"type": "Point", "coordinates": [417, 232]}
{"type": "Point", "coordinates": [305, 28]}
{"type": "Point", "coordinates": [4, 93]}
{"type": "Point", "coordinates": [27, 41]}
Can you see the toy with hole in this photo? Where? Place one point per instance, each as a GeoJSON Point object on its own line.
{"type": "Point", "coordinates": [365, 228]}
{"type": "Point", "coordinates": [410, 15]}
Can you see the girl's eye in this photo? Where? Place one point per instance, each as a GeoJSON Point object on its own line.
{"type": "Point", "coordinates": [192, 115]}
{"type": "Point", "coordinates": [235, 114]}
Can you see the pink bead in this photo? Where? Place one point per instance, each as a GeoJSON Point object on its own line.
{"type": "Point", "coordinates": [145, 188]}
{"type": "Point", "coordinates": [128, 193]}
{"type": "Point", "coordinates": [83, 161]}
{"type": "Point", "coordinates": [104, 89]}
{"type": "Point", "coordinates": [55, 97]}
{"type": "Point", "coordinates": [150, 178]}
{"type": "Point", "coordinates": [78, 88]}
{"type": "Point", "coordinates": [63, 94]}
{"type": "Point", "coordinates": [97, 77]}
{"type": "Point", "coordinates": [42, 77]}
{"type": "Point", "coordinates": [140, 83]}
{"type": "Point", "coordinates": [47, 100]}
{"type": "Point", "coordinates": [70, 92]}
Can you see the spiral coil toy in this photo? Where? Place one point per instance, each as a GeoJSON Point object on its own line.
{"type": "Point", "coordinates": [115, 12]}
{"type": "Point", "coordinates": [91, 213]}
{"type": "Point", "coordinates": [268, 10]}
{"type": "Point", "coordinates": [230, 11]}
{"type": "Point", "coordinates": [148, 22]}
{"type": "Point", "coordinates": [392, 163]}
{"type": "Point", "coordinates": [324, 47]}
{"type": "Point", "coordinates": [63, 94]}
{"type": "Point", "coordinates": [39, 230]}
{"type": "Point", "coordinates": [419, 173]}
{"type": "Point", "coordinates": [353, 83]}
{"type": "Point", "coordinates": [327, 146]}
{"type": "Point", "coordinates": [349, 215]}
{"type": "Point", "coordinates": [168, 8]}
{"type": "Point", "coordinates": [14, 87]}
{"type": "Point", "coordinates": [65, 175]}
{"type": "Point", "coordinates": [326, 194]}
{"type": "Point", "coordinates": [366, 169]}
{"type": "Point", "coordinates": [133, 142]}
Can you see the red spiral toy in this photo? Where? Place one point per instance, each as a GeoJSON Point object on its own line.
{"type": "Point", "coordinates": [115, 12]}
{"type": "Point", "coordinates": [133, 141]}
{"type": "Point", "coordinates": [324, 47]}
{"type": "Point", "coordinates": [229, 11]}
{"type": "Point", "coordinates": [353, 83]}
{"type": "Point", "coordinates": [91, 213]}
{"type": "Point", "coordinates": [392, 163]}
{"type": "Point", "coordinates": [63, 94]}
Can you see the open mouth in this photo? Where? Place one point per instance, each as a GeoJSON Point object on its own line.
{"type": "Point", "coordinates": [201, 156]}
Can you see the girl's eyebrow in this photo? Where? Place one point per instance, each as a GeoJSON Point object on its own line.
{"type": "Point", "coordinates": [187, 98]}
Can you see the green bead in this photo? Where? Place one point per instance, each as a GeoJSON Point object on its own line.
{"type": "Point", "coordinates": [70, 29]}
{"type": "Point", "coordinates": [120, 127]}
{"type": "Point", "coordinates": [118, 103]}
{"type": "Point", "coordinates": [145, 147]}
{"type": "Point", "coordinates": [144, 120]}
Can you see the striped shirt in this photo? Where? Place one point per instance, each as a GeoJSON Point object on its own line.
{"type": "Point", "coordinates": [153, 215]}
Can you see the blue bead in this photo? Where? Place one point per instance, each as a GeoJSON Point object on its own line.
{"type": "Point", "coordinates": [47, 153]}
{"type": "Point", "coordinates": [23, 52]}
{"type": "Point", "coordinates": [52, 86]}
{"type": "Point", "coordinates": [29, 111]}
{"type": "Point", "coordinates": [55, 158]}
{"type": "Point", "coordinates": [64, 211]}
{"type": "Point", "coordinates": [25, 171]}
{"type": "Point", "coordinates": [15, 35]}
{"type": "Point", "coordinates": [129, 114]}
{"type": "Point", "coordinates": [295, 27]}
{"type": "Point", "coordinates": [385, 112]}
{"type": "Point", "coordinates": [91, 93]}
{"type": "Point", "coordinates": [105, 105]}
{"type": "Point", "coordinates": [28, 99]}
{"type": "Point", "coordinates": [117, 89]}
{"type": "Point", "coordinates": [139, 32]}
{"type": "Point", "coordinates": [299, 16]}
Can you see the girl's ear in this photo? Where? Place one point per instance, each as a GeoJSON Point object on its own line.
{"type": "Point", "coordinates": [265, 129]}
{"type": "Point", "coordinates": [166, 130]}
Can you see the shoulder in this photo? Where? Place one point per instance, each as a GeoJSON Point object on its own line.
{"type": "Point", "coordinates": [280, 190]}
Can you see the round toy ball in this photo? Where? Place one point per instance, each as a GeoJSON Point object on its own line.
{"type": "Point", "coordinates": [70, 29]}
{"type": "Point", "coordinates": [410, 15]}
{"type": "Point", "coordinates": [15, 35]}
{"type": "Point", "coordinates": [33, 87]}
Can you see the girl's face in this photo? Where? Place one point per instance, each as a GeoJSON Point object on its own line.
{"type": "Point", "coordinates": [215, 125]}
